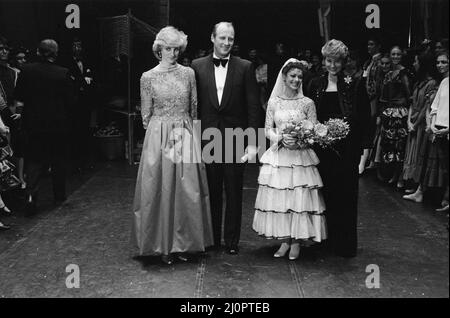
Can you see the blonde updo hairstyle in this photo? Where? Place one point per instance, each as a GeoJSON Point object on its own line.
{"type": "Point", "coordinates": [335, 49]}
{"type": "Point", "coordinates": [169, 36]}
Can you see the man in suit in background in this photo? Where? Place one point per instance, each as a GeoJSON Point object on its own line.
{"type": "Point", "coordinates": [46, 91]}
{"type": "Point", "coordinates": [81, 74]}
{"type": "Point", "coordinates": [228, 97]}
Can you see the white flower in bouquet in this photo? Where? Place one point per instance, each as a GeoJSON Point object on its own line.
{"type": "Point", "coordinates": [321, 130]}
{"type": "Point", "coordinates": [307, 125]}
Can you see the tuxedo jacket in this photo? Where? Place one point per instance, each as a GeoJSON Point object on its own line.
{"type": "Point", "coordinates": [78, 76]}
{"type": "Point", "coordinates": [46, 91]}
{"type": "Point", "coordinates": [240, 105]}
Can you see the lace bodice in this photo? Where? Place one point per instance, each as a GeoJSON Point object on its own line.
{"type": "Point", "coordinates": [168, 94]}
{"type": "Point", "coordinates": [281, 112]}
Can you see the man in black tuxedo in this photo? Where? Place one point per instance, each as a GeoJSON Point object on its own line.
{"type": "Point", "coordinates": [81, 73]}
{"type": "Point", "coordinates": [228, 97]}
{"type": "Point", "coordinates": [45, 89]}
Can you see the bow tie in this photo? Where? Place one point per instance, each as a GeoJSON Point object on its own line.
{"type": "Point", "coordinates": [217, 62]}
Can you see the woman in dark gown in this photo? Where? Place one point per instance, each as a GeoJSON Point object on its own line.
{"type": "Point", "coordinates": [345, 97]}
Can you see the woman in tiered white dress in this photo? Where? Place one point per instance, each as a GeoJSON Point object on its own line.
{"type": "Point", "coordinates": [289, 204]}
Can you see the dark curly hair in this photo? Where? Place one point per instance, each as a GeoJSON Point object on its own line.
{"type": "Point", "coordinates": [4, 41]}
{"type": "Point", "coordinates": [427, 66]}
{"type": "Point", "coordinates": [442, 54]}
{"type": "Point", "coordinates": [291, 65]}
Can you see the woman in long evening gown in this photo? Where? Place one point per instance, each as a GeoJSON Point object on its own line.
{"type": "Point", "coordinates": [171, 203]}
{"type": "Point", "coordinates": [289, 205]}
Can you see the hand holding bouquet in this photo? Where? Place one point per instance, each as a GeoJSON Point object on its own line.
{"type": "Point", "coordinates": [297, 135]}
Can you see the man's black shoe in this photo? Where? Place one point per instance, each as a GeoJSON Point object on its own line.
{"type": "Point", "coordinates": [346, 254]}
{"type": "Point", "coordinates": [59, 200]}
{"type": "Point", "coordinates": [233, 250]}
{"type": "Point", "coordinates": [30, 209]}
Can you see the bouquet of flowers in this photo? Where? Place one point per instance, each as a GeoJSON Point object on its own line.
{"type": "Point", "coordinates": [303, 132]}
{"type": "Point", "coordinates": [307, 133]}
{"type": "Point", "coordinates": [331, 131]}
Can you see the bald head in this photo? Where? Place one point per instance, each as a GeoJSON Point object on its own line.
{"type": "Point", "coordinates": [221, 25]}
{"type": "Point", "coordinates": [223, 39]}
{"type": "Point", "coordinates": [48, 49]}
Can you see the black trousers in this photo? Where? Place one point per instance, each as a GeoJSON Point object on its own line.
{"type": "Point", "coordinates": [231, 175]}
{"type": "Point", "coordinates": [341, 181]}
{"type": "Point", "coordinates": [46, 150]}
{"type": "Point", "coordinates": [80, 136]}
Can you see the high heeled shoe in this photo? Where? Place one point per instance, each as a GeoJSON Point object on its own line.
{"type": "Point", "coordinates": [182, 258]}
{"type": "Point", "coordinates": [167, 259]}
{"type": "Point", "coordinates": [295, 252]}
{"type": "Point", "coordinates": [5, 211]}
{"type": "Point", "coordinates": [284, 248]}
{"type": "Point", "coordinates": [4, 226]}
{"type": "Point", "coordinates": [392, 180]}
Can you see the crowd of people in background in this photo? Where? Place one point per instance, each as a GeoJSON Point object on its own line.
{"type": "Point", "coordinates": [45, 110]}
{"type": "Point", "coordinates": [407, 88]}
{"type": "Point", "coordinates": [408, 150]}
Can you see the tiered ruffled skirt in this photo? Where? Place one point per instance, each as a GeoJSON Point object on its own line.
{"type": "Point", "coordinates": [289, 203]}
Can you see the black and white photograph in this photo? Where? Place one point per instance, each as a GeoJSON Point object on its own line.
{"type": "Point", "coordinates": [224, 154]}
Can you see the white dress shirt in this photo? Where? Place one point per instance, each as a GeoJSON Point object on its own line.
{"type": "Point", "coordinates": [220, 74]}
{"type": "Point", "coordinates": [80, 65]}
{"type": "Point", "coordinates": [440, 104]}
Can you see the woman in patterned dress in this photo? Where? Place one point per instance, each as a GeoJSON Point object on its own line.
{"type": "Point", "coordinates": [289, 205]}
{"type": "Point", "coordinates": [171, 203]}
{"type": "Point", "coordinates": [394, 103]}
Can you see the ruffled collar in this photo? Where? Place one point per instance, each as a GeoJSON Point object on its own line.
{"type": "Point", "coordinates": [166, 68]}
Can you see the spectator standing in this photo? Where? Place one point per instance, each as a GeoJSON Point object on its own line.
{"type": "Point", "coordinates": [46, 91]}
{"type": "Point", "coordinates": [81, 73]}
